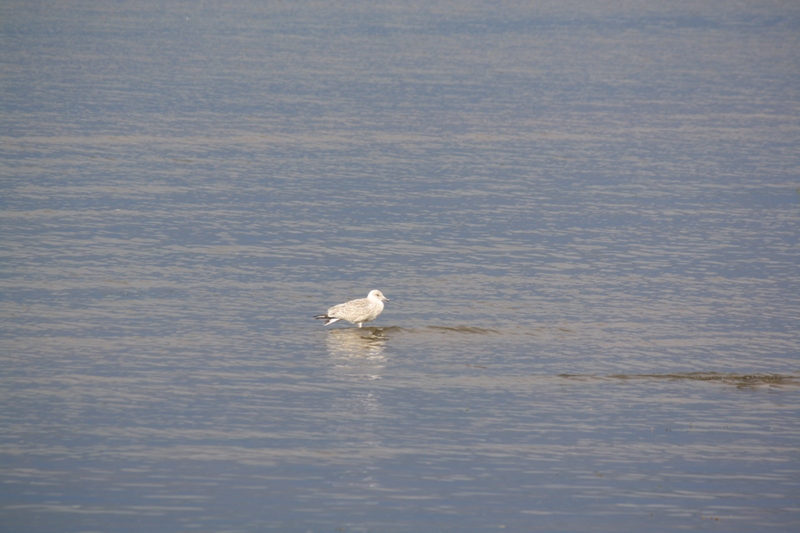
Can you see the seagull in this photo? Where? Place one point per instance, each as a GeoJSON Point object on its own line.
{"type": "Point", "coordinates": [356, 311]}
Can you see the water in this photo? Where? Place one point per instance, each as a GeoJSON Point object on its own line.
{"type": "Point", "coordinates": [585, 216]}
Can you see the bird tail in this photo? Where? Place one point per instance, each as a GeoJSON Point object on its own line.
{"type": "Point", "coordinates": [327, 319]}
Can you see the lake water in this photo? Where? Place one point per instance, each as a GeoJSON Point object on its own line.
{"type": "Point", "coordinates": [585, 214]}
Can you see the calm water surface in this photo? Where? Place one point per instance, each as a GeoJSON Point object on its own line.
{"type": "Point", "coordinates": [585, 215]}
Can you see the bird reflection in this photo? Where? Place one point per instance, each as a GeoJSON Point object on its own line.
{"type": "Point", "coordinates": [358, 362]}
{"type": "Point", "coordinates": [364, 343]}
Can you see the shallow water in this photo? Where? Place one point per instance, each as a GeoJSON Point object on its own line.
{"type": "Point", "coordinates": [585, 216]}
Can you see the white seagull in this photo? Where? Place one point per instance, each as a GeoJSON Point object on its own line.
{"type": "Point", "coordinates": [356, 311]}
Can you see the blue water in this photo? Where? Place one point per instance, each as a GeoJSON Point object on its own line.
{"type": "Point", "coordinates": [585, 216]}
